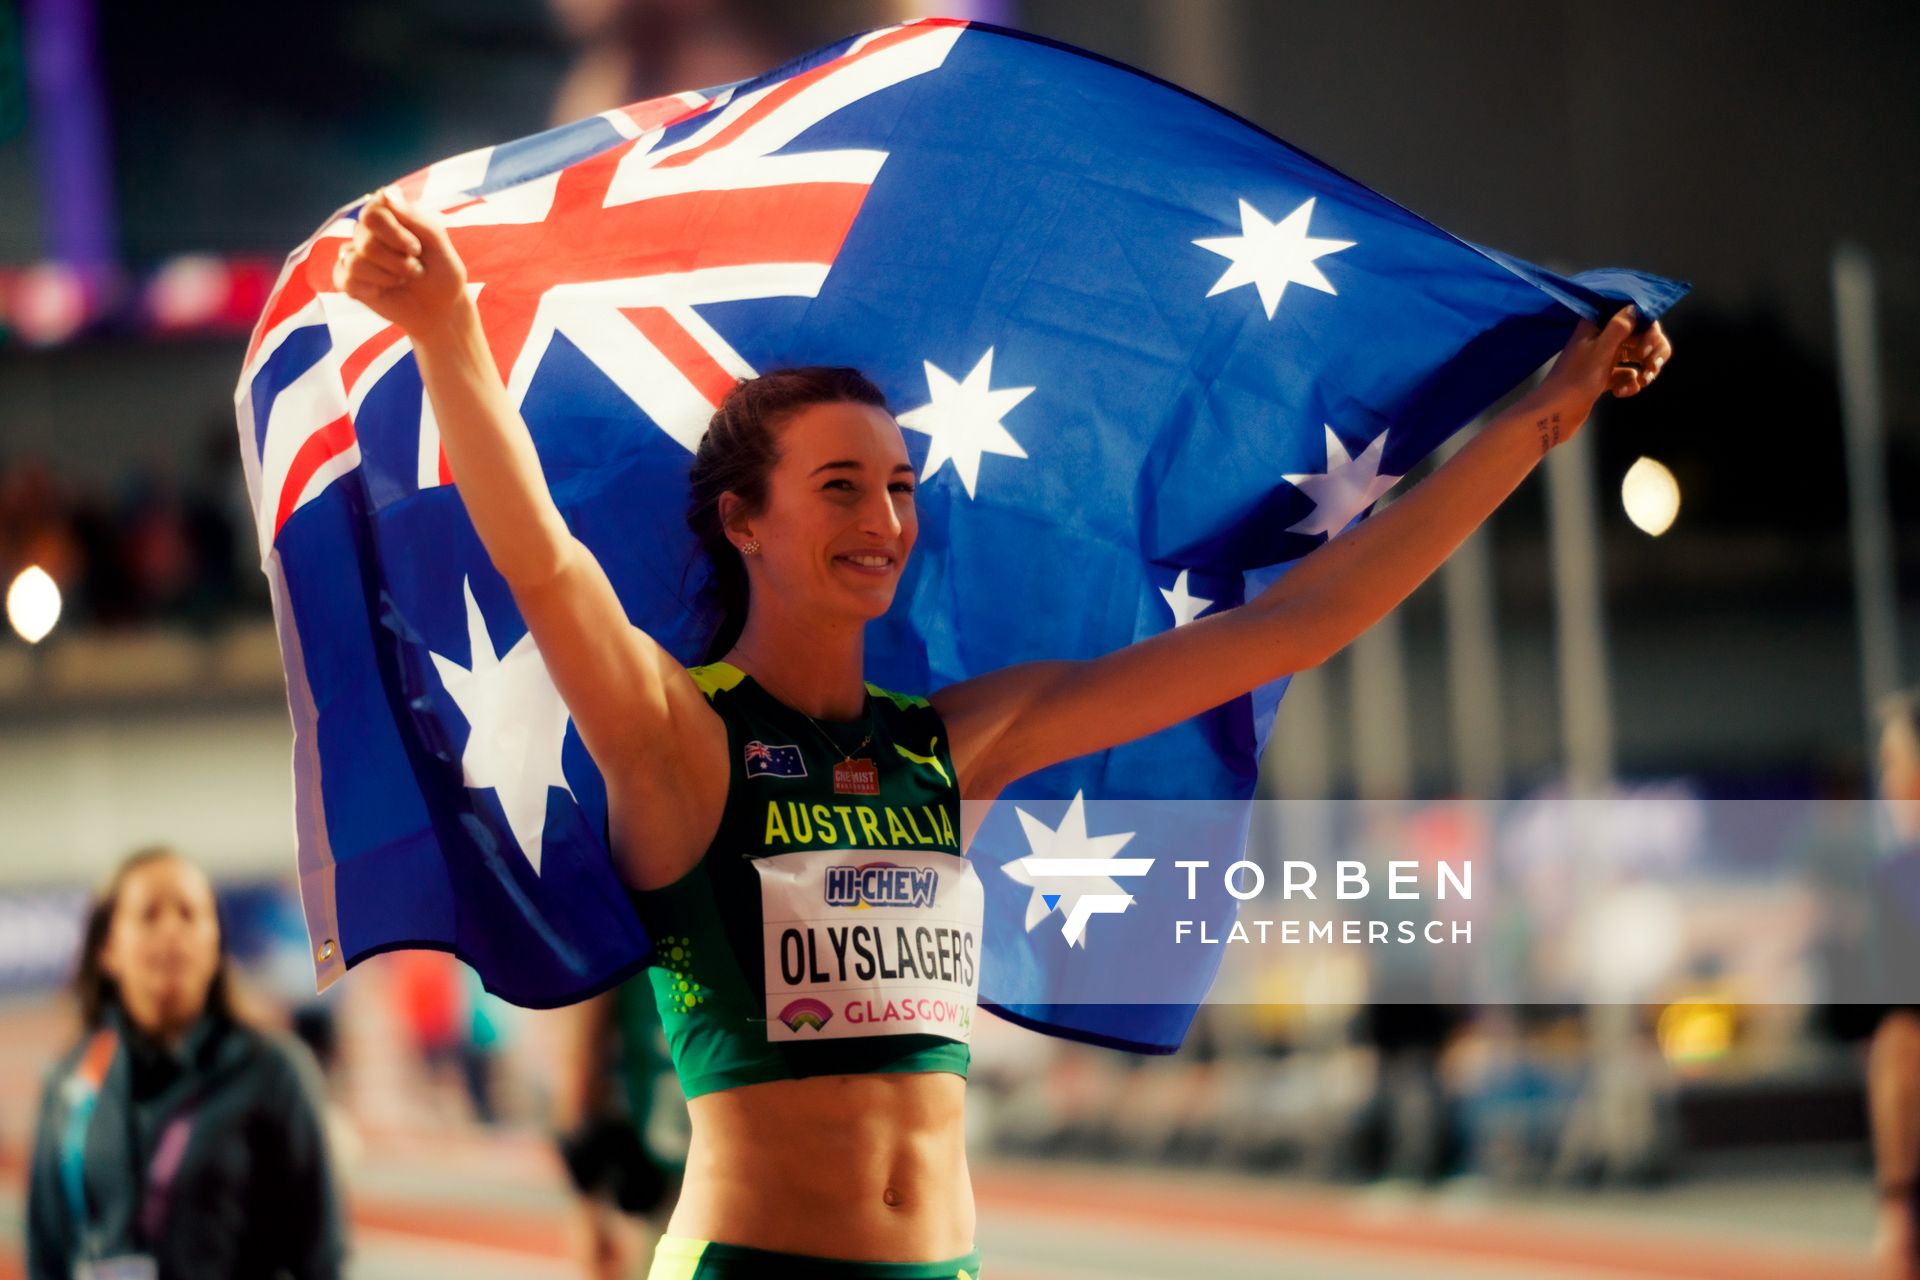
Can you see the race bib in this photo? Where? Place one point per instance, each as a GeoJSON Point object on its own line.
{"type": "Point", "coordinates": [858, 945]}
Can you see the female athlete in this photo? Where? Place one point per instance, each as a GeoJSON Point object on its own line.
{"type": "Point", "coordinates": [828, 1138]}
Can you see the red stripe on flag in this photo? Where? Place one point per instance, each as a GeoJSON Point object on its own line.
{"type": "Point", "coordinates": [683, 351]}
{"type": "Point", "coordinates": [582, 241]}
{"type": "Point", "coordinates": [310, 276]}
{"type": "Point", "coordinates": [787, 91]}
{"type": "Point", "coordinates": [446, 468]}
{"type": "Point", "coordinates": [322, 446]}
{"type": "Point", "coordinates": [366, 353]}
{"type": "Point", "coordinates": [414, 185]}
{"type": "Point", "coordinates": [657, 113]}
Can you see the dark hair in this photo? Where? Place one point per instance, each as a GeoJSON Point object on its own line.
{"type": "Point", "coordinates": [95, 989]}
{"type": "Point", "coordinates": [736, 455]}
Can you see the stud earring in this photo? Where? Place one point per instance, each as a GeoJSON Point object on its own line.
{"type": "Point", "coordinates": [751, 547]}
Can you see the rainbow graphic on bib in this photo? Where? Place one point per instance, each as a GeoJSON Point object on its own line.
{"type": "Point", "coordinates": [805, 1012]}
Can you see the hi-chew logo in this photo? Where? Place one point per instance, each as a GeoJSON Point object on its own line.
{"type": "Point", "coordinates": [765, 761]}
{"type": "Point", "coordinates": [881, 884]}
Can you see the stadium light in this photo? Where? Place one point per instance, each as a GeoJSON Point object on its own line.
{"type": "Point", "coordinates": [33, 604]}
{"type": "Point", "coordinates": [1651, 496]}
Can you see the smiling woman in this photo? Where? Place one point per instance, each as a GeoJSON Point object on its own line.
{"type": "Point", "coordinates": [731, 489]}
{"type": "Point", "coordinates": [745, 794]}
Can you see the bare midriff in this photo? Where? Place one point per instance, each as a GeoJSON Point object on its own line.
{"type": "Point", "coordinates": [865, 1168]}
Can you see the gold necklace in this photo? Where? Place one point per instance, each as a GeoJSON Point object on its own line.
{"type": "Point", "coordinates": [846, 757]}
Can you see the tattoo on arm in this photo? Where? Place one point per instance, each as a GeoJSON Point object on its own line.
{"type": "Point", "coordinates": [1550, 432]}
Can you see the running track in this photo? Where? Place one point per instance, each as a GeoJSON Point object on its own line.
{"type": "Point", "coordinates": [485, 1208]}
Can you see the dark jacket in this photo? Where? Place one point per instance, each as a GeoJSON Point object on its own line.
{"type": "Point", "coordinates": [1896, 929]}
{"type": "Point", "coordinates": [251, 1195]}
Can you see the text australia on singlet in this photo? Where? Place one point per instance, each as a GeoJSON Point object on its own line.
{"type": "Point", "coordinates": [872, 922]}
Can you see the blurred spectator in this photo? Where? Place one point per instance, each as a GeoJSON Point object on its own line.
{"type": "Point", "coordinates": [489, 1025]}
{"type": "Point", "coordinates": [154, 539]}
{"type": "Point", "coordinates": [621, 1127]}
{"type": "Point", "coordinates": [427, 997]}
{"type": "Point", "coordinates": [1893, 1079]}
{"type": "Point", "coordinates": [176, 1140]}
{"type": "Point", "coordinates": [217, 526]}
{"type": "Point", "coordinates": [631, 50]}
{"type": "Point", "coordinates": [34, 528]}
{"type": "Point", "coordinates": [161, 553]}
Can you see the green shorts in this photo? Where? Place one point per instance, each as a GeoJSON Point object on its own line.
{"type": "Point", "coordinates": [679, 1258]}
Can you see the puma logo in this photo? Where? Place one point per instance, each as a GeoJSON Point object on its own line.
{"type": "Point", "coordinates": [931, 760]}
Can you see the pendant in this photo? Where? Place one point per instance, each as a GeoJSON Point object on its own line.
{"type": "Point", "coordinates": [856, 778]}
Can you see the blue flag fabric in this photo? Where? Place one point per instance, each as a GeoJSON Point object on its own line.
{"type": "Point", "coordinates": [1145, 356]}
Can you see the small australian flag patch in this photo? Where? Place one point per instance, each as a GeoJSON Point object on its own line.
{"type": "Point", "coordinates": [764, 761]}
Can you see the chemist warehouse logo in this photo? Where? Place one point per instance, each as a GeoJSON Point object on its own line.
{"type": "Point", "coordinates": [881, 884]}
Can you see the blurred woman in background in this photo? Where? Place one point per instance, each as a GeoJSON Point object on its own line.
{"type": "Point", "coordinates": [175, 1140]}
{"type": "Point", "coordinates": [1893, 1065]}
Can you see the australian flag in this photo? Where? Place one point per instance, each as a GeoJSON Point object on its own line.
{"type": "Point", "coordinates": [1145, 356]}
{"type": "Point", "coordinates": [763, 761]}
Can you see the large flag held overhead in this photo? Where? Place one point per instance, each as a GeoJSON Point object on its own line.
{"type": "Point", "coordinates": [1145, 356]}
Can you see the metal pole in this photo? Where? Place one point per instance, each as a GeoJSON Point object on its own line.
{"type": "Point", "coordinates": [1864, 413]}
{"type": "Point", "coordinates": [1382, 752]}
{"type": "Point", "coordinates": [1573, 530]}
{"type": "Point", "coordinates": [1196, 40]}
{"type": "Point", "coordinates": [1616, 1089]}
{"type": "Point", "coordinates": [1299, 758]}
{"type": "Point", "coordinates": [1473, 659]}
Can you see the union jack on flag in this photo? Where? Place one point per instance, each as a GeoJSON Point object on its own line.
{"type": "Point", "coordinates": [1146, 356]}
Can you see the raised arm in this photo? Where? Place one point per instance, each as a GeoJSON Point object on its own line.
{"type": "Point", "coordinates": [643, 720]}
{"type": "Point", "coordinates": [1008, 723]}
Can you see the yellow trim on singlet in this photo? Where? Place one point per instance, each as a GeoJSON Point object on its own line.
{"type": "Point", "coordinates": [676, 1258]}
{"type": "Point", "coordinates": [904, 701]}
{"type": "Point", "coordinates": [719, 677]}
{"type": "Point", "coordinates": [716, 677]}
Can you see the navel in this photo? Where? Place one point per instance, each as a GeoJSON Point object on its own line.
{"type": "Point", "coordinates": [894, 1197]}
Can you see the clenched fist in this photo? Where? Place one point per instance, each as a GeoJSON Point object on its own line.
{"type": "Point", "coordinates": [1611, 358]}
{"type": "Point", "coordinates": [1597, 359]}
{"type": "Point", "coordinates": [401, 265]}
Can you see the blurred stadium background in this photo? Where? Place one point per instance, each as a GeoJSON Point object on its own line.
{"type": "Point", "coordinates": [156, 162]}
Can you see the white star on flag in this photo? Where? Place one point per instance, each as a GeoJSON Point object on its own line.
{"type": "Point", "coordinates": [963, 420]}
{"type": "Point", "coordinates": [1346, 488]}
{"type": "Point", "coordinates": [1186, 607]}
{"type": "Point", "coordinates": [1272, 255]}
{"type": "Point", "coordinates": [1068, 866]}
{"type": "Point", "coordinates": [516, 726]}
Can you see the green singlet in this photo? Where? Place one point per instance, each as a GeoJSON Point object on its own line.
{"type": "Point", "coordinates": [833, 926]}
{"type": "Point", "coordinates": [643, 1066]}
